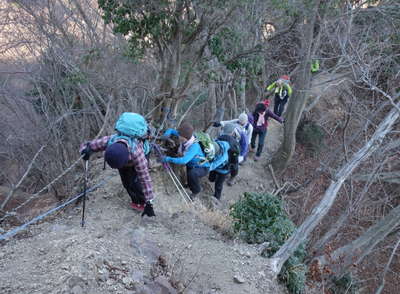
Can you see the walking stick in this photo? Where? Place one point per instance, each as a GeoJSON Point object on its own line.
{"type": "Point", "coordinates": [84, 192]}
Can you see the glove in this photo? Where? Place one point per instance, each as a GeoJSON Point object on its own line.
{"type": "Point", "coordinates": [148, 210]}
{"type": "Point", "coordinates": [216, 124]}
{"type": "Point", "coordinates": [86, 152]}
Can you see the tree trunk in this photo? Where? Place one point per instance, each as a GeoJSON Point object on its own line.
{"type": "Point", "coordinates": [297, 102]}
{"type": "Point", "coordinates": [304, 230]}
{"type": "Point", "coordinates": [170, 74]}
{"type": "Point", "coordinates": [211, 108]}
{"type": "Point", "coordinates": [242, 101]}
{"type": "Point", "coordinates": [320, 245]}
{"type": "Point", "coordinates": [355, 252]}
{"type": "Point", "coordinates": [382, 285]}
{"type": "Point", "coordinates": [233, 98]}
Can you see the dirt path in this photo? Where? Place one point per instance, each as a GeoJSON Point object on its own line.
{"type": "Point", "coordinates": [118, 252]}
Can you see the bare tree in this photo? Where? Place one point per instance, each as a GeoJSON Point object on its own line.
{"type": "Point", "coordinates": [353, 253]}
{"type": "Point", "coordinates": [302, 84]}
{"type": "Point", "coordinates": [304, 230]}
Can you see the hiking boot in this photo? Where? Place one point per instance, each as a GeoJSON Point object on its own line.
{"type": "Point", "coordinates": [257, 158]}
{"type": "Point", "coordinates": [215, 203]}
{"type": "Point", "coordinates": [230, 182]}
{"type": "Point", "coordinates": [193, 196]}
{"type": "Point", "coordinates": [137, 207]}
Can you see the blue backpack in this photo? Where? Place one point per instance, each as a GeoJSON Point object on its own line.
{"type": "Point", "coordinates": [222, 158]}
{"type": "Point", "coordinates": [131, 127]}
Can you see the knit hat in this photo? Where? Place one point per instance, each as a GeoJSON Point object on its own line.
{"type": "Point", "coordinates": [228, 129]}
{"type": "Point", "coordinates": [260, 107]}
{"type": "Point", "coordinates": [243, 119]}
{"type": "Point", "coordinates": [266, 102]}
{"type": "Point", "coordinates": [186, 130]}
{"type": "Point", "coordinates": [116, 155]}
{"type": "Point", "coordinates": [285, 78]}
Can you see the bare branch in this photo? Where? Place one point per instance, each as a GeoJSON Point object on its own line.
{"type": "Point", "coordinates": [14, 188]}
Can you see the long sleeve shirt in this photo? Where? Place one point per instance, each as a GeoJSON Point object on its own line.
{"type": "Point", "coordinates": [268, 114]}
{"type": "Point", "coordinates": [247, 129]}
{"type": "Point", "coordinates": [137, 159]}
{"type": "Point", "coordinates": [282, 91]}
{"type": "Point", "coordinates": [192, 156]}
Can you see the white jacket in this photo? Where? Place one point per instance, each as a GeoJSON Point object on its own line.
{"type": "Point", "coordinates": [248, 130]}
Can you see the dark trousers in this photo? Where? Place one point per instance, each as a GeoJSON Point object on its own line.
{"type": "Point", "coordinates": [219, 179]}
{"type": "Point", "coordinates": [261, 138]}
{"type": "Point", "coordinates": [193, 177]}
{"type": "Point", "coordinates": [131, 183]}
{"type": "Point", "coordinates": [234, 169]}
{"type": "Point", "coordinates": [279, 104]}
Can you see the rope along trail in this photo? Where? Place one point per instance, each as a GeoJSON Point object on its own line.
{"type": "Point", "coordinates": [25, 225]}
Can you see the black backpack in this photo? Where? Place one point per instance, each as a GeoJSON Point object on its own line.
{"type": "Point", "coordinates": [234, 150]}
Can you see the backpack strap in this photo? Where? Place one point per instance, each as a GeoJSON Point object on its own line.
{"type": "Point", "coordinates": [132, 142]}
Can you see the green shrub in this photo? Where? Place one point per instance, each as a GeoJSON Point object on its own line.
{"type": "Point", "coordinates": [311, 135]}
{"type": "Point", "coordinates": [260, 218]}
{"type": "Point", "coordinates": [346, 284]}
{"type": "Point", "coordinates": [293, 274]}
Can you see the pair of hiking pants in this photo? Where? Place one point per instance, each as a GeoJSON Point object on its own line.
{"type": "Point", "coordinates": [261, 138]}
{"type": "Point", "coordinates": [193, 178]}
{"type": "Point", "coordinates": [218, 179]}
{"type": "Point", "coordinates": [131, 183]}
{"type": "Point", "coordinates": [279, 104]}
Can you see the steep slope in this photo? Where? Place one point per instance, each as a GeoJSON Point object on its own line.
{"type": "Point", "coordinates": [119, 252]}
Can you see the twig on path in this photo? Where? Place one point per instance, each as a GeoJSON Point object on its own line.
{"type": "Point", "coordinates": [273, 176]}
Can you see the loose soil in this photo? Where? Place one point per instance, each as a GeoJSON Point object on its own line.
{"type": "Point", "coordinates": [186, 247]}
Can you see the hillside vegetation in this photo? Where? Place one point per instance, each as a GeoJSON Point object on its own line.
{"type": "Point", "coordinates": [68, 69]}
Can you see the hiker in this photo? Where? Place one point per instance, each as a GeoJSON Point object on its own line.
{"type": "Point", "coordinates": [283, 91]}
{"type": "Point", "coordinates": [260, 125]}
{"type": "Point", "coordinates": [244, 132]}
{"type": "Point", "coordinates": [231, 166]}
{"type": "Point", "coordinates": [314, 66]}
{"type": "Point", "coordinates": [126, 151]}
{"type": "Point", "coordinates": [192, 156]}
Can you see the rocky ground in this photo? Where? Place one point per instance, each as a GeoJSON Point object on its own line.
{"type": "Point", "coordinates": [185, 249]}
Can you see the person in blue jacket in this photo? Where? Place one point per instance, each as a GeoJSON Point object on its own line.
{"type": "Point", "coordinates": [192, 157]}
{"type": "Point", "coordinates": [231, 165]}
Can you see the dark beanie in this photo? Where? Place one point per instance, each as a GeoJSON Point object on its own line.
{"type": "Point", "coordinates": [186, 130]}
{"type": "Point", "coordinates": [260, 107]}
{"type": "Point", "coordinates": [116, 155]}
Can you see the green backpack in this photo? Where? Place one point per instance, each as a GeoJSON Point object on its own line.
{"type": "Point", "coordinates": [209, 147]}
{"type": "Point", "coordinates": [131, 127]}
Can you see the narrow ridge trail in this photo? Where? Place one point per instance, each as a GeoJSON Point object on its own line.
{"type": "Point", "coordinates": [119, 252]}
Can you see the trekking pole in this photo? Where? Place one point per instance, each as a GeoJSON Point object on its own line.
{"type": "Point", "coordinates": [84, 192]}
